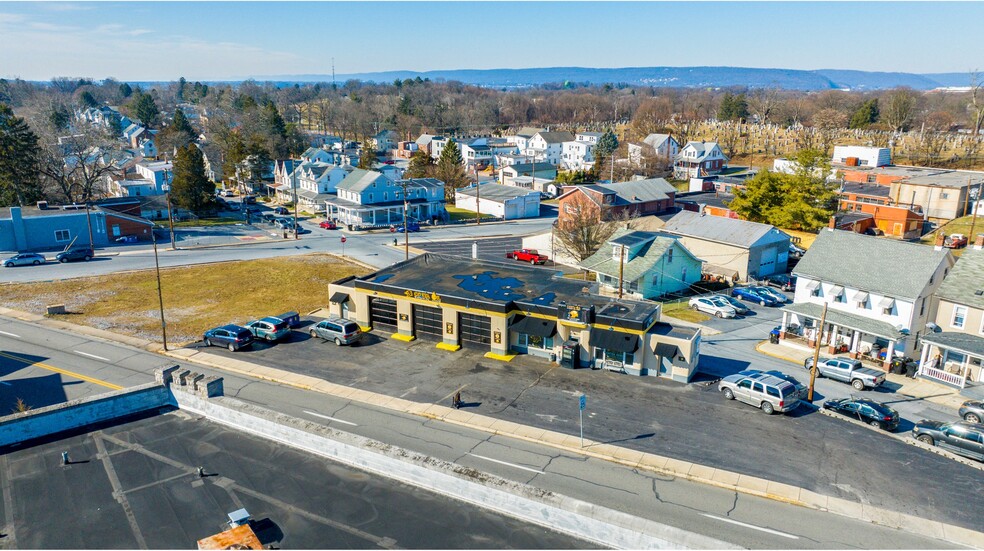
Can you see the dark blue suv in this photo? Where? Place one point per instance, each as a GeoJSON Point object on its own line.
{"type": "Point", "coordinates": [231, 336]}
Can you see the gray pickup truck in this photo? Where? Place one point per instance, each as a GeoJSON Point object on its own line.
{"type": "Point", "coordinates": [848, 371]}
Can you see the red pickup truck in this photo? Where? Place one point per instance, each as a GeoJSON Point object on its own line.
{"type": "Point", "coordinates": [528, 255]}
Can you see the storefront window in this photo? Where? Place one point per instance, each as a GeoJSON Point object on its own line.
{"type": "Point", "coordinates": [535, 341]}
{"type": "Point", "coordinates": [614, 356]}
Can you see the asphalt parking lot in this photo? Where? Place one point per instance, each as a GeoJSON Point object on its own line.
{"type": "Point", "coordinates": [689, 422]}
{"type": "Point", "coordinates": [135, 485]}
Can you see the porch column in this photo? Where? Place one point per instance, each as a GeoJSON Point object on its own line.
{"type": "Point", "coordinates": [855, 341]}
{"type": "Point", "coordinates": [889, 354]}
{"type": "Point", "coordinates": [832, 339]}
{"type": "Point", "coordinates": [782, 328]}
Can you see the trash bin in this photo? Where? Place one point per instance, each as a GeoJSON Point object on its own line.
{"type": "Point", "coordinates": [774, 336]}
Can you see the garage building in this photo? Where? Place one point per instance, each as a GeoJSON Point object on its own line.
{"type": "Point", "coordinates": [506, 202]}
{"type": "Point", "coordinates": [509, 309]}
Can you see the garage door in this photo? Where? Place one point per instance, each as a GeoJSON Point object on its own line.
{"type": "Point", "coordinates": [382, 313]}
{"type": "Point", "coordinates": [427, 322]}
{"type": "Point", "coordinates": [475, 330]}
{"type": "Point", "coordinates": [767, 264]}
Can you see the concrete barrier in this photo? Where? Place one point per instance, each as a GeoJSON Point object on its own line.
{"type": "Point", "coordinates": [41, 422]}
{"type": "Point", "coordinates": [584, 520]}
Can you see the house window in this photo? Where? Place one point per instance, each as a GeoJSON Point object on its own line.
{"type": "Point", "coordinates": [655, 279]}
{"type": "Point", "coordinates": [62, 235]}
{"type": "Point", "coordinates": [959, 316]}
{"type": "Point", "coordinates": [922, 307]}
{"type": "Point", "coordinates": [116, 230]}
{"type": "Point", "coordinates": [669, 256]}
{"type": "Point", "coordinates": [887, 311]}
{"type": "Point", "coordinates": [816, 292]}
{"type": "Point", "coordinates": [535, 341]}
{"type": "Point", "coordinates": [944, 195]}
{"type": "Point", "coordinates": [683, 274]}
{"type": "Point", "coordinates": [840, 298]}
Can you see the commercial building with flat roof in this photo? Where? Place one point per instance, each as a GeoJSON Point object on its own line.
{"type": "Point", "coordinates": [511, 309]}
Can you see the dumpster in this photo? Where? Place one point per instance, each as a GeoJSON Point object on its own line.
{"type": "Point", "coordinates": [292, 318]}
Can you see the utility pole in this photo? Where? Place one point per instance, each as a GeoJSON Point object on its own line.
{"type": "Point", "coordinates": [977, 207]}
{"type": "Point", "coordinates": [167, 199]}
{"type": "Point", "coordinates": [160, 296]}
{"type": "Point", "coordinates": [406, 227]}
{"type": "Point", "coordinates": [816, 353]}
{"type": "Point", "coordinates": [294, 181]}
{"type": "Point", "coordinates": [88, 220]}
{"type": "Point", "coordinates": [621, 268]}
{"type": "Point", "coordinates": [478, 198]}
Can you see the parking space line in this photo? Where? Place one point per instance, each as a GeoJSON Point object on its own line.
{"type": "Point", "coordinates": [506, 463]}
{"type": "Point", "coordinates": [752, 526]}
{"type": "Point", "coordinates": [43, 365]}
{"type": "Point", "coordinates": [93, 356]}
{"type": "Point", "coordinates": [10, 335]}
{"type": "Point", "coordinates": [331, 418]}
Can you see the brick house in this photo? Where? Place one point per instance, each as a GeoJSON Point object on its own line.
{"type": "Point", "coordinates": [608, 201]}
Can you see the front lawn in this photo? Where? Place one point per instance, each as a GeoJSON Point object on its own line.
{"type": "Point", "coordinates": [681, 310]}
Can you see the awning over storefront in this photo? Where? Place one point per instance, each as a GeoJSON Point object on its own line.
{"type": "Point", "coordinates": [846, 320]}
{"type": "Point", "coordinates": [534, 326]}
{"type": "Point", "coordinates": [667, 350]}
{"type": "Point", "coordinates": [338, 297]}
{"type": "Point", "coordinates": [614, 340]}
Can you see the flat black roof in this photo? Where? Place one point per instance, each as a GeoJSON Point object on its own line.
{"type": "Point", "coordinates": [500, 285]}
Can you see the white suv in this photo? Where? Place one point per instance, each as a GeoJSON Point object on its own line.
{"type": "Point", "coordinates": [716, 306]}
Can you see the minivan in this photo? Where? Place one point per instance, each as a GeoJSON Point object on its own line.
{"type": "Point", "coordinates": [761, 390]}
{"type": "Point", "coordinates": [338, 330]}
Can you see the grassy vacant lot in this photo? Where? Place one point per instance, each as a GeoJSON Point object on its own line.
{"type": "Point", "coordinates": [806, 238]}
{"type": "Point", "coordinates": [957, 225]}
{"type": "Point", "coordinates": [200, 222]}
{"type": "Point", "coordinates": [195, 297]}
{"type": "Point", "coordinates": [460, 214]}
{"type": "Point", "coordinates": [681, 310]}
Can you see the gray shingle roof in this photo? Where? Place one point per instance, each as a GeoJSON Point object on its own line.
{"type": "Point", "coordinates": [846, 319]}
{"type": "Point", "coordinates": [968, 344]}
{"type": "Point", "coordinates": [497, 192]}
{"type": "Point", "coordinates": [556, 137]}
{"type": "Point", "coordinates": [359, 179]}
{"type": "Point", "coordinates": [636, 267]}
{"type": "Point", "coordinates": [883, 266]}
{"type": "Point", "coordinates": [740, 233]}
{"type": "Point", "coordinates": [965, 282]}
{"type": "Point", "coordinates": [638, 191]}
{"type": "Point", "coordinates": [656, 140]}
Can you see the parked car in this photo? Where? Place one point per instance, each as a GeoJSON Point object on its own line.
{"type": "Point", "coordinates": [389, 162]}
{"type": "Point", "coordinates": [738, 305]}
{"type": "Point", "coordinates": [802, 389]}
{"type": "Point", "coordinates": [528, 255]}
{"type": "Point", "coordinates": [77, 253]}
{"type": "Point", "coordinates": [338, 330]}
{"type": "Point", "coordinates": [776, 295]}
{"type": "Point", "coordinates": [284, 223]}
{"type": "Point", "coordinates": [249, 199]}
{"type": "Point", "coordinates": [228, 193]}
{"type": "Point", "coordinates": [281, 210]}
{"type": "Point", "coordinates": [955, 241]}
{"type": "Point", "coordinates": [782, 281]}
{"type": "Point", "coordinates": [874, 413]}
{"type": "Point", "coordinates": [770, 394]}
{"type": "Point", "coordinates": [24, 259]}
{"type": "Point", "coordinates": [749, 294]}
{"type": "Point", "coordinates": [268, 217]}
{"type": "Point", "coordinates": [709, 305]}
{"type": "Point", "coordinates": [231, 336]}
{"type": "Point", "coordinates": [328, 225]}
{"type": "Point", "coordinates": [126, 239]}
{"type": "Point", "coordinates": [972, 411]}
{"type": "Point", "coordinates": [269, 329]}
{"type": "Point", "coordinates": [848, 371]}
{"type": "Point", "coordinates": [961, 438]}
{"type": "Point", "coordinates": [795, 251]}
{"type": "Point", "coordinates": [412, 226]}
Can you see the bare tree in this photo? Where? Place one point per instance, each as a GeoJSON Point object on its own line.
{"type": "Point", "coordinates": [580, 229]}
{"type": "Point", "coordinates": [899, 108]}
{"type": "Point", "coordinates": [976, 106]}
{"type": "Point", "coordinates": [763, 103]}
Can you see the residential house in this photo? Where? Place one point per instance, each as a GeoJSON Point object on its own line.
{"type": "Point", "coordinates": [712, 203]}
{"type": "Point", "coordinates": [955, 354]}
{"type": "Point", "coordinates": [609, 201]}
{"type": "Point", "coordinates": [856, 155]}
{"type": "Point", "coordinates": [406, 149]}
{"type": "Point", "coordinates": [385, 140]}
{"type": "Point", "coordinates": [505, 202]}
{"type": "Point", "coordinates": [367, 198]}
{"type": "Point", "coordinates": [542, 185]}
{"type": "Point", "coordinates": [144, 179]}
{"type": "Point", "coordinates": [737, 250]}
{"type": "Point", "coordinates": [322, 141]}
{"type": "Point", "coordinates": [545, 171]}
{"type": "Point", "coordinates": [578, 155]}
{"type": "Point", "coordinates": [644, 265]}
{"type": "Point", "coordinates": [147, 147]}
{"type": "Point", "coordinates": [424, 142]}
{"type": "Point", "coordinates": [548, 146]}
{"type": "Point", "coordinates": [904, 221]}
{"type": "Point", "coordinates": [54, 228]}
{"type": "Point", "coordinates": [878, 294]}
{"type": "Point", "coordinates": [522, 136]}
{"type": "Point", "coordinates": [313, 183]}
{"type": "Point", "coordinates": [662, 146]}
{"type": "Point", "coordinates": [588, 137]}
{"type": "Point", "coordinates": [699, 159]}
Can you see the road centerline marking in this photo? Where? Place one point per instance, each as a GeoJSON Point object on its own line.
{"type": "Point", "coordinates": [91, 355]}
{"type": "Point", "coordinates": [331, 418]}
{"type": "Point", "coordinates": [10, 335]}
{"type": "Point", "coordinates": [752, 526]}
{"type": "Point", "coordinates": [506, 463]}
{"type": "Point", "coordinates": [43, 365]}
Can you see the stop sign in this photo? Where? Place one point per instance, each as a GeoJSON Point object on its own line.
{"type": "Point", "coordinates": [343, 239]}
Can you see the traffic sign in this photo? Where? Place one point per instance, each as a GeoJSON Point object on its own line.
{"type": "Point", "coordinates": [584, 402]}
{"type": "Point", "coordinates": [343, 239]}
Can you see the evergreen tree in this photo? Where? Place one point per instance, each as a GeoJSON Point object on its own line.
{"type": "Point", "coordinates": [367, 158]}
{"type": "Point", "coordinates": [421, 165]}
{"type": "Point", "coordinates": [87, 100]}
{"type": "Point", "coordinates": [125, 90]}
{"type": "Point", "coordinates": [865, 115]}
{"type": "Point", "coordinates": [143, 107]}
{"type": "Point", "coordinates": [190, 188]}
{"type": "Point", "coordinates": [451, 170]}
{"type": "Point", "coordinates": [275, 131]}
{"type": "Point", "coordinates": [733, 108]}
{"type": "Point", "coordinates": [19, 153]}
{"type": "Point", "coordinates": [603, 151]}
{"type": "Point", "coordinates": [177, 134]}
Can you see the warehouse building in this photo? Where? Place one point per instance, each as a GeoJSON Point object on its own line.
{"type": "Point", "coordinates": [509, 309]}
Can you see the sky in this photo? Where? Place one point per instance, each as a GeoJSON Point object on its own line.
{"type": "Point", "coordinates": [146, 41]}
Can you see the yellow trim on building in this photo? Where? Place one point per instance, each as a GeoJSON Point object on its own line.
{"type": "Point", "coordinates": [404, 338]}
{"type": "Point", "coordinates": [501, 357]}
{"type": "Point", "coordinates": [432, 304]}
{"type": "Point", "coordinates": [448, 347]}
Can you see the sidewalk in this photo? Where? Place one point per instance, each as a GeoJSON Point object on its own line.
{"type": "Point", "coordinates": [916, 388]}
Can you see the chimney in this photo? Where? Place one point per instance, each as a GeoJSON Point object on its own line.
{"type": "Point", "coordinates": [979, 242]}
{"type": "Point", "coordinates": [939, 241]}
{"type": "Point", "coordinates": [832, 224]}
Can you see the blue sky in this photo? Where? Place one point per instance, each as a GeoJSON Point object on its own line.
{"type": "Point", "coordinates": [213, 41]}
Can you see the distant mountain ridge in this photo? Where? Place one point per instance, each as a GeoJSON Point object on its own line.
{"type": "Point", "coordinates": [681, 77]}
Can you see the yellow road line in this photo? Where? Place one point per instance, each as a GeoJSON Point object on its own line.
{"type": "Point", "coordinates": [43, 365]}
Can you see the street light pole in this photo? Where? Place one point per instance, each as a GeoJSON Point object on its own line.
{"type": "Point", "coordinates": [160, 296]}
{"type": "Point", "coordinates": [406, 226]}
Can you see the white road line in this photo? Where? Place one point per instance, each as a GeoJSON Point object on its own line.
{"type": "Point", "coordinates": [10, 334]}
{"type": "Point", "coordinates": [505, 463]}
{"type": "Point", "coordinates": [93, 356]}
{"type": "Point", "coordinates": [752, 526]}
{"type": "Point", "coordinates": [330, 418]}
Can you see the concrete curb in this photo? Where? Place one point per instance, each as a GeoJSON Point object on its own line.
{"type": "Point", "coordinates": [668, 466]}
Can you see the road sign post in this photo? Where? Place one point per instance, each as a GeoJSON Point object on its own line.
{"type": "Point", "coordinates": [343, 245]}
{"type": "Point", "coordinates": [582, 403]}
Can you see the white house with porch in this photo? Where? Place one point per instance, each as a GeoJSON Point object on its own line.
{"type": "Point", "coordinates": [953, 353]}
{"type": "Point", "coordinates": [878, 294]}
{"type": "Point", "coordinates": [367, 198]}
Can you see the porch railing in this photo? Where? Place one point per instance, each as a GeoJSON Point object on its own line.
{"type": "Point", "coordinates": [944, 376]}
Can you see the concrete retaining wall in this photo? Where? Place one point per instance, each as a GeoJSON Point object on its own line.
{"type": "Point", "coordinates": [578, 518]}
{"type": "Point", "coordinates": [41, 422]}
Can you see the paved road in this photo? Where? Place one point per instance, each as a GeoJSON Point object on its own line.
{"type": "Point", "coordinates": [744, 520]}
{"type": "Point", "coordinates": [375, 249]}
